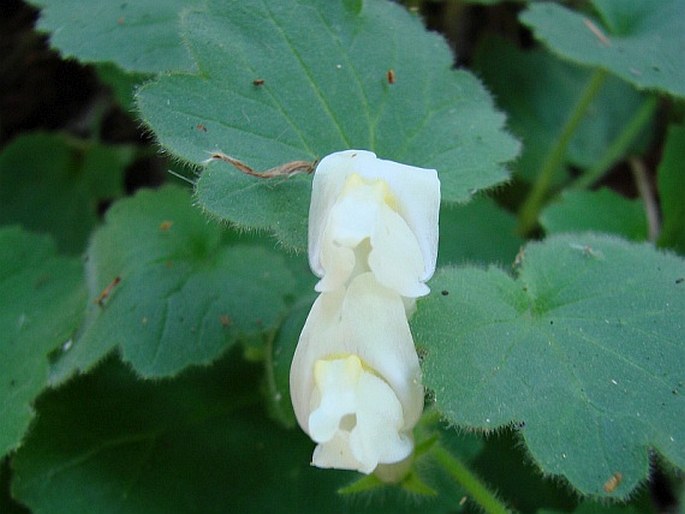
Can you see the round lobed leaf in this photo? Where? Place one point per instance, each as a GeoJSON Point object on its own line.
{"type": "Point", "coordinates": [293, 80]}
{"type": "Point", "coordinates": [584, 348]}
{"type": "Point", "coordinates": [140, 36]}
{"type": "Point", "coordinates": [641, 41]}
{"type": "Point", "coordinates": [164, 288]}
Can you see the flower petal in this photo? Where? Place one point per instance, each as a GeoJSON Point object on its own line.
{"type": "Point", "coordinates": [395, 257]}
{"type": "Point", "coordinates": [367, 320]}
{"type": "Point", "coordinates": [378, 436]}
{"type": "Point", "coordinates": [416, 190]}
{"type": "Point", "coordinates": [354, 401]}
{"type": "Point", "coordinates": [336, 381]}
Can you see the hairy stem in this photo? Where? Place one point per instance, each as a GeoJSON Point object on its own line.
{"type": "Point", "coordinates": [531, 207]}
{"type": "Point", "coordinates": [477, 490]}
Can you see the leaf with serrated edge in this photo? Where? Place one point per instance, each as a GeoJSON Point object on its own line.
{"type": "Point", "coordinates": [641, 41]}
{"type": "Point", "coordinates": [165, 290]}
{"type": "Point", "coordinates": [42, 296]}
{"type": "Point", "coordinates": [141, 36]}
{"type": "Point", "coordinates": [584, 347]}
{"type": "Point", "coordinates": [285, 81]}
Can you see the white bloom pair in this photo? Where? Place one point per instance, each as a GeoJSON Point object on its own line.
{"type": "Point", "coordinates": [355, 379]}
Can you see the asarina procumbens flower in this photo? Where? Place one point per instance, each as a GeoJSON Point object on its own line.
{"type": "Point", "coordinates": [355, 379]}
{"type": "Point", "coordinates": [368, 214]}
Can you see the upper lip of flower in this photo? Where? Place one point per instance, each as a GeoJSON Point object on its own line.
{"type": "Point", "coordinates": [416, 192]}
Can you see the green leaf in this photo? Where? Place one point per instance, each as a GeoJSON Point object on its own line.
{"type": "Point", "coordinates": [280, 206]}
{"type": "Point", "coordinates": [600, 211]}
{"type": "Point", "coordinates": [479, 231]}
{"type": "Point", "coordinates": [539, 104]}
{"type": "Point", "coordinates": [671, 178]}
{"type": "Point", "coordinates": [108, 443]}
{"type": "Point", "coordinates": [50, 183]}
{"type": "Point", "coordinates": [584, 347]}
{"type": "Point", "coordinates": [641, 41]}
{"type": "Point", "coordinates": [41, 303]}
{"type": "Point", "coordinates": [325, 88]}
{"type": "Point", "coordinates": [166, 291]}
{"type": "Point", "coordinates": [141, 36]}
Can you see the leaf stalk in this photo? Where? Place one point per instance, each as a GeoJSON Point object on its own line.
{"type": "Point", "coordinates": [477, 490]}
{"type": "Point", "coordinates": [620, 145]}
{"type": "Point", "coordinates": [530, 210]}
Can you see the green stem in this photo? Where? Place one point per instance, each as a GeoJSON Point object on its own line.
{"type": "Point", "coordinates": [533, 204]}
{"type": "Point", "coordinates": [620, 145]}
{"type": "Point", "coordinates": [473, 485]}
{"type": "Point", "coordinates": [648, 198]}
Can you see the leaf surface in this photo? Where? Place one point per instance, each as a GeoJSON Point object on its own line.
{"type": "Point", "coordinates": [51, 184]}
{"type": "Point", "coordinates": [641, 41]}
{"type": "Point", "coordinates": [42, 296]}
{"type": "Point", "coordinates": [478, 232]}
{"type": "Point", "coordinates": [538, 91]}
{"type": "Point", "coordinates": [292, 80]}
{"type": "Point", "coordinates": [141, 36]}
{"type": "Point", "coordinates": [584, 347]}
{"type": "Point", "coordinates": [165, 290]}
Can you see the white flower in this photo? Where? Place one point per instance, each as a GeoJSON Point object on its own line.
{"type": "Point", "coordinates": [355, 379]}
{"type": "Point", "coordinates": [368, 214]}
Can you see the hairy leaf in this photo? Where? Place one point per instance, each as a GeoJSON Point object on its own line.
{"type": "Point", "coordinates": [166, 290]}
{"type": "Point", "coordinates": [141, 36]}
{"type": "Point", "coordinates": [641, 41]}
{"type": "Point", "coordinates": [42, 297]}
{"type": "Point", "coordinates": [284, 81]}
{"type": "Point", "coordinates": [584, 348]}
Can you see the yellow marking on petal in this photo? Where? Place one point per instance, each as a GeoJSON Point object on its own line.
{"type": "Point", "coordinates": [379, 187]}
{"type": "Point", "coordinates": [354, 366]}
